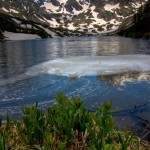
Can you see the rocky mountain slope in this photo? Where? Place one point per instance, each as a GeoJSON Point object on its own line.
{"type": "Point", "coordinates": [13, 24]}
{"type": "Point", "coordinates": [93, 16]}
{"type": "Point", "coordinates": [68, 17]}
{"type": "Point", "coordinates": [140, 24]}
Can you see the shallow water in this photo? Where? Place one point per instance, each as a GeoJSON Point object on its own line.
{"type": "Point", "coordinates": [20, 84]}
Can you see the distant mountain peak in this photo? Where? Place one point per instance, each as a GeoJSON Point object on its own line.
{"type": "Point", "coordinates": [89, 16]}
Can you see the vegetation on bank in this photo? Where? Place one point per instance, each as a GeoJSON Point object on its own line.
{"type": "Point", "coordinates": [68, 124]}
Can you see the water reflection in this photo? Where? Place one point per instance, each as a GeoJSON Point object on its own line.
{"type": "Point", "coordinates": [120, 79]}
{"type": "Point", "coordinates": [17, 56]}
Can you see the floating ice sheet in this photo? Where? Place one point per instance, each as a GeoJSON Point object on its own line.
{"type": "Point", "coordinates": [120, 68]}
{"type": "Point", "coordinates": [93, 65]}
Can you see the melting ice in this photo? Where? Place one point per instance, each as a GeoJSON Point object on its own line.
{"type": "Point", "coordinates": [93, 65]}
{"type": "Point", "coordinates": [116, 69]}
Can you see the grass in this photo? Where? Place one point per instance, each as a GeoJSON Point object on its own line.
{"type": "Point", "coordinates": [66, 125]}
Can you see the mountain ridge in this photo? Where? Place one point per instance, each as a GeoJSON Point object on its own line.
{"type": "Point", "coordinates": [76, 17]}
{"type": "Point", "coordinates": [140, 26]}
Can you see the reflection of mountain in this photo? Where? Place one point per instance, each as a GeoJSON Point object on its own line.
{"type": "Point", "coordinates": [14, 58]}
{"type": "Point", "coordinates": [119, 79]}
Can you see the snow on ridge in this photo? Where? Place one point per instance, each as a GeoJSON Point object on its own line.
{"type": "Point", "coordinates": [137, 5]}
{"type": "Point", "coordinates": [63, 1]}
{"type": "Point", "coordinates": [110, 7]}
{"type": "Point", "coordinates": [85, 8]}
{"type": "Point", "coordinates": [4, 9]}
{"type": "Point", "coordinates": [20, 36]}
{"type": "Point", "coordinates": [55, 9]}
{"type": "Point", "coordinates": [53, 34]}
{"type": "Point", "coordinates": [14, 11]}
{"type": "Point", "coordinates": [17, 21]}
{"type": "Point", "coordinates": [50, 7]}
{"type": "Point", "coordinates": [90, 17]}
{"type": "Point", "coordinates": [52, 22]}
{"type": "Point", "coordinates": [95, 15]}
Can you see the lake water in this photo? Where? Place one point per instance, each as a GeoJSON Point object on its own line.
{"type": "Point", "coordinates": [129, 90]}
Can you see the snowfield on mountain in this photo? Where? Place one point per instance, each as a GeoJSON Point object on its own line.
{"type": "Point", "coordinates": [77, 17]}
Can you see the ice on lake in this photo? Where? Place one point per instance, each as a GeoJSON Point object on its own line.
{"type": "Point", "coordinates": [78, 66]}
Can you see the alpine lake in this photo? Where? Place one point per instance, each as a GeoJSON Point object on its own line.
{"type": "Point", "coordinates": [21, 84]}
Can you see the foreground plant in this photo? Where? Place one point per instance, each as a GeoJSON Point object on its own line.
{"type": "Point", "coordinates": [66, 125]}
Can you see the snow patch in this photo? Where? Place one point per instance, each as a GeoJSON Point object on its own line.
{"type": "Point", "coordinates": [17, 21]}
{"type": "Point", "coordinates": [14, 11]}
{"type": "Point", "coordinates": [4, 9]}
{"type": "Point", "coordinates": [111, 8]}
{"type": "Point", "coordinates": [53, 34]}
{"type": "Point", "coordinates": [20, 36]}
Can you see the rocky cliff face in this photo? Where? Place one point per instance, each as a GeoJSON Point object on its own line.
{"type": "Point", "coordinates": [75, 16]}
{"type": "Point", "coordinates": [1, 35]}
{"type": "Point", "coordinates": [93, 16]}
{"type": "Point", "coordinates": [139, 23]}
{"type": "Point", "coordinates": [13, 24]}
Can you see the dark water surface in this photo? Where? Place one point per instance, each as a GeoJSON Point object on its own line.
{"type": "Point", "coordinates": [16, 89]}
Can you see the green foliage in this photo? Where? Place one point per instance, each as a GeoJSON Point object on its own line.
{"type": "Point", "coordinates": [33, 120]}
{"type": "Point", "coordinates": [101, 126]}
{"type": "Point", "coordinates": [2, 142]}
{"type": "Point", "coordinates": [68, 115]}
{"type": "Point", "coordinates": [68, 124]}
{"type": "Point", "coordinates": [5, 134]}
{"type": "Point", "coordinates": [125, 141]}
